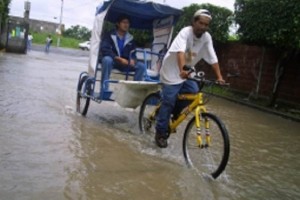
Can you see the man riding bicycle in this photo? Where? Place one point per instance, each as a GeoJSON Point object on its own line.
{"type": "Point", "coordinates": [192, 44]}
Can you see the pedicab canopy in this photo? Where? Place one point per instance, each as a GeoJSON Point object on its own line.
{"type": "Point", "coordinates": [144, 15]}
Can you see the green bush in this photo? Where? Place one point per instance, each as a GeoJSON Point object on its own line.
{"type": "Point", "coordinates": [40, 38]}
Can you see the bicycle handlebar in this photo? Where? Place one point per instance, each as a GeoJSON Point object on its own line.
{"type": "Point", "coordinates": [199, 78]}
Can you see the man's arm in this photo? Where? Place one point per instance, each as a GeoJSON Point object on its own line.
{"type": "Point", "coordinates": [106, 47]}
{"type": "Point", "coordinates": [217, 71]}
{"type": "Point", "coordinates": [211, 57]}
{"type": "Point", "coordinates": [132, 57]}
{"type": "Point", "coordinates": [122, 61]}
{"type": "Point", "coordinates": [181, 62]}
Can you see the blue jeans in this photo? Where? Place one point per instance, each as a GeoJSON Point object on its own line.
{"type": "Point", "coordinates": [47, 48]}
{"type": "Point", "coordinates": [171, 105]}
{"type": "Point", "coordinates": [108, 64]}
{"type": "Point", "coordinates": [29, 45]}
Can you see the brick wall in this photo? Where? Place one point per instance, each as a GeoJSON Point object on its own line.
{"type": "Point", "coordinates": [246, 60]}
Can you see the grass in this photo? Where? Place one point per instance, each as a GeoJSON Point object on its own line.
{"type": "Point", "coordinates": [40, 38]}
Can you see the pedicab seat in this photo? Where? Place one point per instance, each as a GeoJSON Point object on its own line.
{"type": "Point", "coordinates": [131, 94]}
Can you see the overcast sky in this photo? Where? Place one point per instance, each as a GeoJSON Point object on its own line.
{"type": "Point", "coordinates": [81, 12]}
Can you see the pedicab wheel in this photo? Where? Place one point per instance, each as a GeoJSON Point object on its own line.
{"type": "Point", "coordinates": [148, 113]}
{"type": "Point", "coordinates": [83, 101]}
{"type": "Point", "coordinates": [208, 155]}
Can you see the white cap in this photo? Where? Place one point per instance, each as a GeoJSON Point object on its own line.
{"type": "Point", "coordinates": [202, 12]}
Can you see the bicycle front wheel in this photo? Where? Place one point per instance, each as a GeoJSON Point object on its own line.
{"type": "Point", "coordinates": [206, 150]}
{"type": "Point", "coordinates": [148, 113]}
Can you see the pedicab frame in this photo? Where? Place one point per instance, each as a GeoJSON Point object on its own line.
{"type": "Point", "coordinates": [144, 16]}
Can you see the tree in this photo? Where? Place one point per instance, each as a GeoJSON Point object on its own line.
{"type": "Point", "coordinates": [78, 32]}
{"type": "Point", "coordinates": [142, 37]}
{"type": "Point", "coordinates": [219, 27]}
{"type": "Point", "coordinates": [271, 23]}
{"type": "Point", "coordinates": [4, 10]}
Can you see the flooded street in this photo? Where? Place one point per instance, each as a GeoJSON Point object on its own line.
{"type": "Point", "coordinates": [48, 151]}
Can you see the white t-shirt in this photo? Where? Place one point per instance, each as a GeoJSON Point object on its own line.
{"type": "Point", "coordinates": [195, 49]}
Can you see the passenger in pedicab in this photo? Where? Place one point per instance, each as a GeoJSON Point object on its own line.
{"type": "Point", "coordinates": [115, 49]}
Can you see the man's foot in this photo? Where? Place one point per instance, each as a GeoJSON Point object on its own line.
{"type": "Point", "coordinates": [161, 141]}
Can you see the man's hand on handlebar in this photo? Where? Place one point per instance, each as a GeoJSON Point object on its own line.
{"type": "Point", "coordinates": [220, 81]}
{"type": "Point", "coordinates": [187, 70]}
{"type": "Point", "coordinates": [184, 74]}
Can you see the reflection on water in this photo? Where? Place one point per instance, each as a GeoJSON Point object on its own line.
{"type": "Point", "coordinates": [265, 158]}
{"type": "Point", "coordinates": [48, 151]}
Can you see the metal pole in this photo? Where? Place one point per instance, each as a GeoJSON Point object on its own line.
{"type": "Point", "coordinates": [27, 5]}
{"type": "Point", "coordinates": [60, 23]}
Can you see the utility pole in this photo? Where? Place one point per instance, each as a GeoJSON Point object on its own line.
{"type": "Point", "coordinates": [60, 22]}
{"type": "Point", "coordinates": [27, 10]}
{"type": "Point", "coordinates": [26, 25]}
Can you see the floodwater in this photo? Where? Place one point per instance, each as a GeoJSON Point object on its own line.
{"type": "Point", "coordinates": [48, 151]}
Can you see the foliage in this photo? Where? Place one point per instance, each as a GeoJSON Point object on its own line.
{"type": "Point", "coordinates": [4, 10]}
{"type": "Point", "coordinates": [219, 26]}
{"type": "Point", "coordinates": [40, 38]}
{"type": "Point", "coordinates": [269, 22]}
{"type": "Point", "coordinates": [78, 32]}
{"type": "Point", "coordinates": [233, 38]}
{"type": "Point", "coordinates": [141, 37]}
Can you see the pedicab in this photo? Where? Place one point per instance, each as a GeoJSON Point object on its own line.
{"type": "Point", "coordinates": [157, 18]}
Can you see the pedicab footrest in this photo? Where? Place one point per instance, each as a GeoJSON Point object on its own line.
{"type": "Point", "coordinates": [106, 95]}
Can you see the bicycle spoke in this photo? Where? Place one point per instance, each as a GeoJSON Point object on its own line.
{"type": "Point", "coordinates": [147, 117]}
{"type": "Point", "coordinates": [211, 156]}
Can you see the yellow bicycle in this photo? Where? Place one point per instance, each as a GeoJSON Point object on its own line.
{"type": "Point", "coordinates": [206, 145]}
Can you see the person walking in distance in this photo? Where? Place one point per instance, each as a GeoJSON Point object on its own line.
{"type": "Point", "coordinates": [29, 41]}
{"type": "Point", "coordinates": [48, 43]}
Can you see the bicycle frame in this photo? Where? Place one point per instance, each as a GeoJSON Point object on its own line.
{"type": "Point", "coordinates": [203, 131]}
{"type": "Point", "coordinates": [196, 104]}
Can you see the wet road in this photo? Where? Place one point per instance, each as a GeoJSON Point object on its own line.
{"type": "Point", "coordinates": [48, 151]}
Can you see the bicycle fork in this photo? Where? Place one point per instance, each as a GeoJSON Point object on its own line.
{"type": "Point", "coordinates": [203, 140]}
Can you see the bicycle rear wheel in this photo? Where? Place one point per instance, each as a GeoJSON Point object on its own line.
{"type": "Point", "coordinates": [208, 153]}
{"type": "Point", "coordinates": [148, 113]}
{"type": "Point", "coordinates": [82, 102]}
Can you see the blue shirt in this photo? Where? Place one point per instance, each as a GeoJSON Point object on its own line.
{"type": "Point", "coordinates": [121, 44]}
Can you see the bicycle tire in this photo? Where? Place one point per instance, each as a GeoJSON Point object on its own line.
{"type": "Point", "coordinates": [82, 102]}
{"type": "Point", "coordinates": [146, 122]}
{"type": "Point", "coordinates": [210, 159]}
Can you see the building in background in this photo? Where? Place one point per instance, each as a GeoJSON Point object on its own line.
{"type": "Point", "coordinates": [39, 26]}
